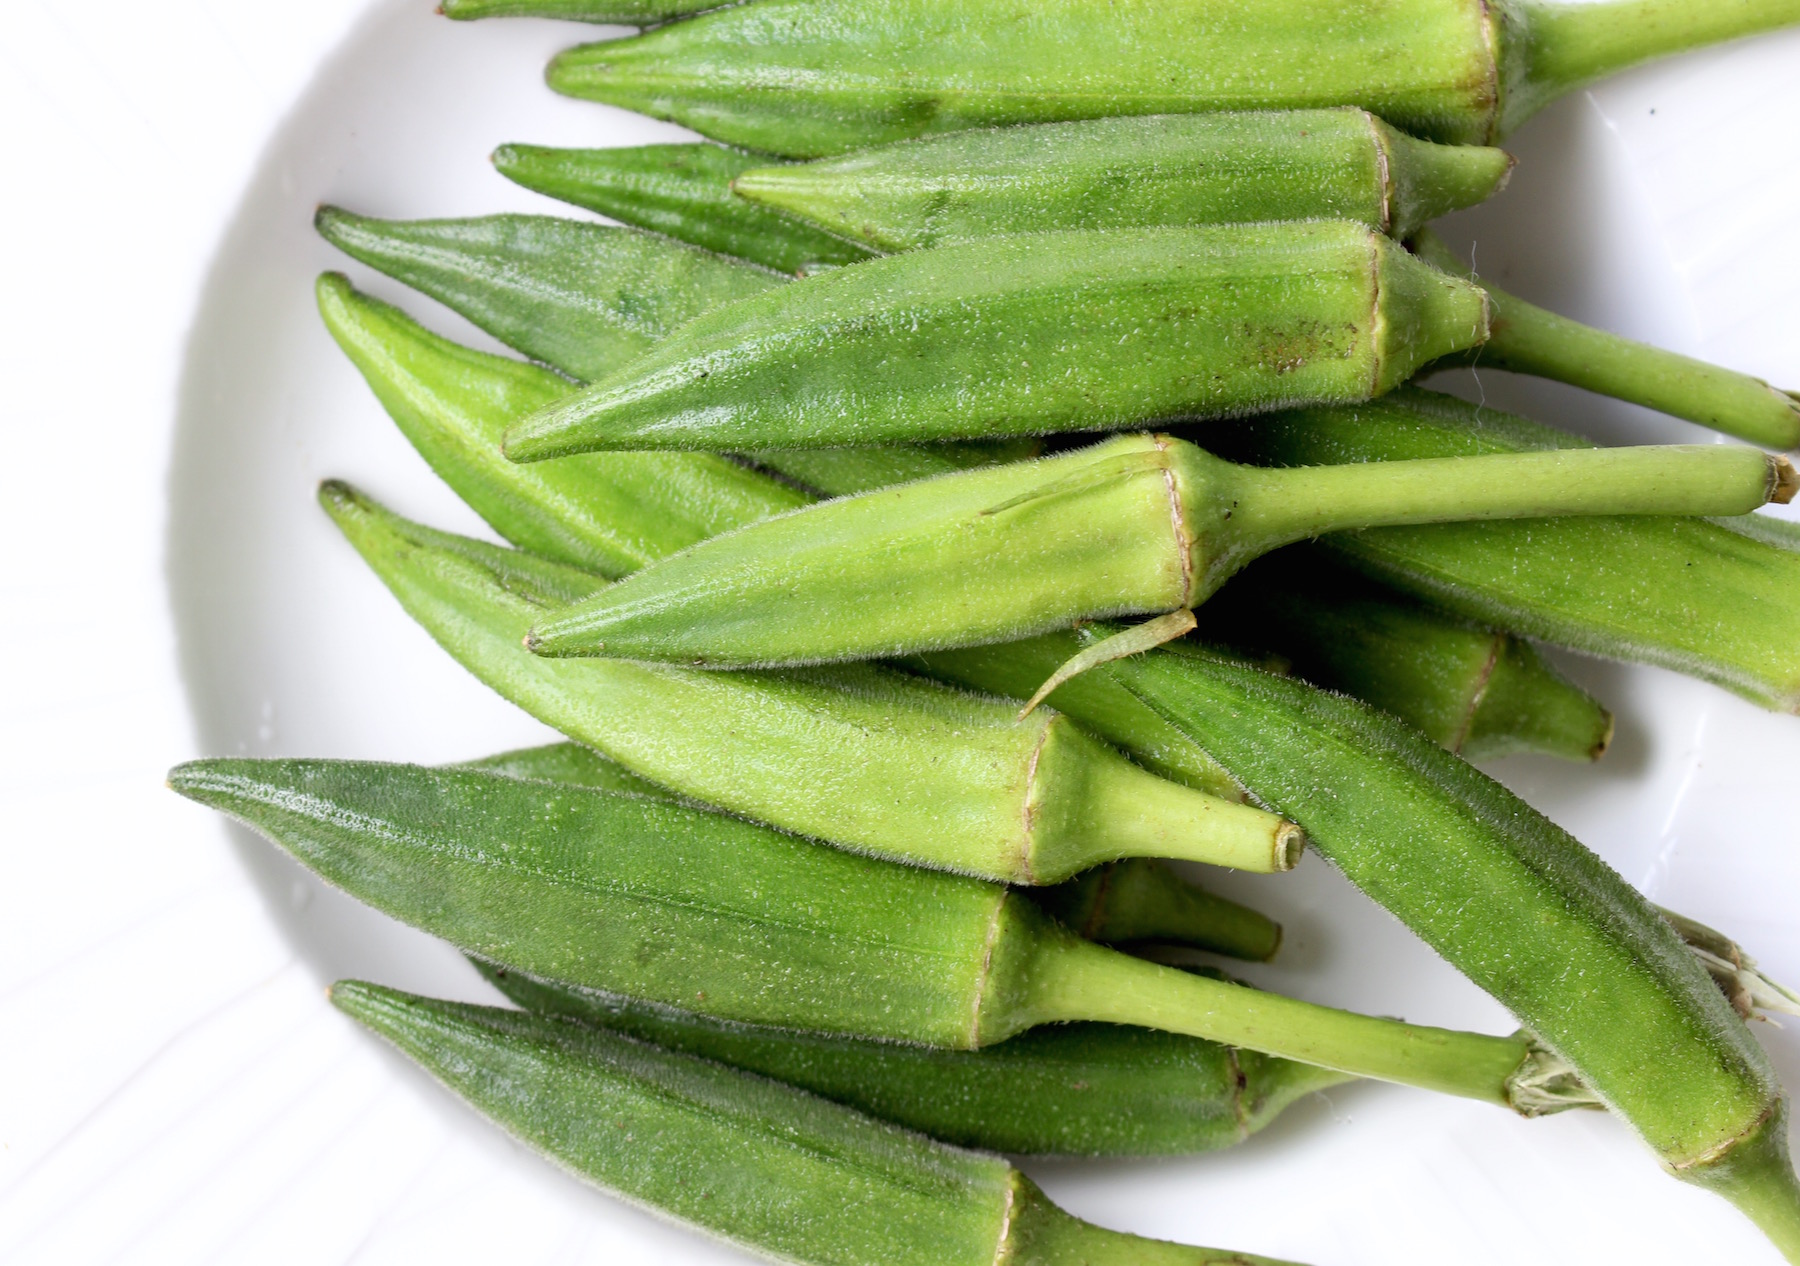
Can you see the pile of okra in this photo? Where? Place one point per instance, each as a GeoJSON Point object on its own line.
{"type": "Point", "coordinates": [981, 473]}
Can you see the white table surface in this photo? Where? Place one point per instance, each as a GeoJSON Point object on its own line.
{"type": "Point", "coordinates": [173, 1086]}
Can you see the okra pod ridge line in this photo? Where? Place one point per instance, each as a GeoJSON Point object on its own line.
{"type": "Point", "coordinates": [1138, 524]}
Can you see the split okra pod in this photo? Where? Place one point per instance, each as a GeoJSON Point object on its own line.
{"type": "Point", "coordinates": [760, 1164]}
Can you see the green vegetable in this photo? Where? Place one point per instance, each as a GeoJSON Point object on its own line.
{"type": "Point", "coordinates": [690, 908]}
{"type": "Point", "coordinates": [1171, 169]}
{"type": "Point", "coordinates": [763, 1165]}
{"type": "Point", "coordinates": [1473, 689]}
{"type": "Point", "coordinates": [1125, 902]}
{"type": "Point", "coordinates": [1065, 1090]}
{"type": "Point", "coordinates": [1718, 600]}
{"type": "Point", "coordinates": [627, 12]}
{"type": "Point", "coordinates": [1528, 339]}
{"type": "Point", "coordinates": [813, 77]}
{"type": "Point", "coordinates": [864, 757]}
{"type": "Point", "coordinates": [1040, 332]}
{"type": "Point", "coordinates": [681, 190]}
{"type": "Point", "coordinates": [1139, 523]}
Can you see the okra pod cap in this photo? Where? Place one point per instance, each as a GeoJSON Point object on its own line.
{"type": "Point", "coordinates": [1032, 334]}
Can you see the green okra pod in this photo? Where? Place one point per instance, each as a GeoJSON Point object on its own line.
{"type": "Point", "coordinates": [1135, 524]}
{"type": "Point", "coordinates": [1030, 334]}
{"type": "Point", "coordinates": [1063, 1090]}
{"type": "Point", "coordinates": [1715, 599]}
{"type": "Point", "coordinates": [1171, 169]}
{"type": "Point", "coordinates": [1527, 339]}
{"type": "Point", "coordinates": [1472, 689]}
{"type": "Point", "coordinates": [773, 1169]}
{"type": "Point", "coordinates": [714, 914]}
{"type": "Point", "coordinates": [815, 77]}
{"type": "Point", "coordinates": [683, 191]}
{"type": "Point", "coordinates": [1137, 900]}
{"type": "Point", "coordinates": [865, 757]}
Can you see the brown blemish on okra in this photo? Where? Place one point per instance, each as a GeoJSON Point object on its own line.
{"type": "Point", "coordinates": [1483, 676]}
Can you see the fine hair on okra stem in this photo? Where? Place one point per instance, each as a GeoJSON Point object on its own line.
{"type": "Point", "coordinates": [865, 757]}
{"type": "Point", "coordinates": [807, 78]}
{"type": "Point", "coordinates": [692, 908]}
{"type": "Point", "coordinates": [1060, 1090]}
{"type": "Point", "coordinates": [976, 341]}
{"type": "Point", "coordinates": [1139, 524]}
{"type": "Point", "coordinates": [762, 1165]}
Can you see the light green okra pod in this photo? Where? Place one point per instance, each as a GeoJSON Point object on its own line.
{"type": "Point", "coordinates": [1136, 900]}
{"type": "Point", "coordinates": [1135, 524]}
{"type": "Point", "coordinates": [1170, 169]}
{"type": "Point", "coordinates": [691, 908]}
{"type": "Point", "coordinates": [864, 757]}
{"type": "Point", "coordinates": [762, 1165]}
{"type": "Point", "coordinates": [815, 77]}
{"type": "Point", "coordinates": [1715, 599]}
{"type": "Point", "coordinates": [1062, 1090]}
{"type": "Point", "coordinates": [683, 191]}
{"type": "Point", "coordinates": [1030, 334]}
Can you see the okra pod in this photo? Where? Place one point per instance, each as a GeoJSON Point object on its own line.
{"type": "Point", "coordinates": [1066, 1090]}
{"type": "Point", "coordinates": [683, 191]}
{"type": "Point", "coordinates": [729, 919]}
{"type": "Point", "coordinates": [1134, 901]}
{"type": "Point", "coordinates": [815, 77]}
{"type": "Point", "coordinates": [1135, 524]}
{"type": "Point", "coordinates": [762, 1165]}
{"type": "Point", "coordinates": [1715, 599]}
{"type": "Point", "coordinates": [1030, 334]}
{"type": "Point", "coordinates": [1527, 339]}
{"type": "Point", "coordinates": [1470, 688]}
{"type": "Point", "coordinates": [864, 757]}
{"type": "Point", "coordinates": [1171, 169]}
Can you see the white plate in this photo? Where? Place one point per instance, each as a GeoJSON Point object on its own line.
{"type": "Point", "coordinates": [1650, 206]}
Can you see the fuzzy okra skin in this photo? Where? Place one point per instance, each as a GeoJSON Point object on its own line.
{"type": "Point", "coordinates": [1171, 169]}
{"type": "Point", "coordinates": [1063, 1090]}
{"type": "Point", "coordinates": [864, 757]}
{"type": "Point", "coordinates": [814, 77]}
{"type": "Point", "coordinates": [765, 1166]}
{"type": "Point", "coordinates": [721, 916]}
{"type": "Point", "coordinates": [1715, 599]}
{"type": "Point", "coordinates": [1134, 901]}
{"type": "Point", "coordinates": [683, 191]}
{"type": "Point", "coordinates": [1527, 339]}
{"type": "Point", "coordinates": [1031, 334]}
{"type": "Point", "coordinates": [1135, 524]}
{"type": "Point", "coordinates": [1475, 690]}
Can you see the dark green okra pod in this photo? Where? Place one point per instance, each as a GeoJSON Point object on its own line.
{"type": "Point", "coordinates": [765, 1166]}
{"type": "Point", "coordinates": [1171, 169]}
{"type": "Point", "coordinates": [1715, 599]}
{"type": "Point", "coordinates": [1528, 339]}
{"type": "Point", "coordinates": [691, 908]}
{"type": "Point", "coordinates": [1137, 900]}
{"type": "Point", "coordinates": [1062, 1090]}
{"type": "Point", "coordinates": [1031, 334]}
{"type": "Point", "coordinates": [1135, 524]}
{"type": "Point", "coordinates": [865, 757]}
{"type": "Point", "coordinates": [681, 190]}
{"type": "Point", "coordinates": [813, 77]}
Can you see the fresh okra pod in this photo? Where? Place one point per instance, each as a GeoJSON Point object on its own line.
{"type": "Point", "coordinates": [864, 757]}
{"type": "Point", "coordinates": [765, 1166]}
{"type": "Point", "coordinates": [1030, 334]}
{"type": "Point", "coordinates": [1064, 1090]}
{"type": "Point", "coordinates": [814, 77]}
{"type": "Point", "coordinates": [1135, 524]}
{"type": "Point", "coordinates": [1715, 599]}
{"type": "Point", "coordinates": [1528, 339]}
{"type": "Point", "coordinates": [1176, 169]}
{"type": "Point", "coordinates": [720, 916]}
{"type": "Point", "coordinates": [1473, 689]}
{"type": "Point", "coordinates": [683, 191]}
